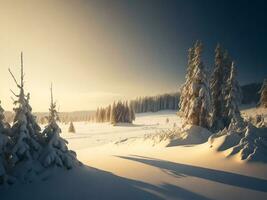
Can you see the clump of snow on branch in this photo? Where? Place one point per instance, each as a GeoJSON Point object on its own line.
{"type": "Point", "coordinates": [253, 146]}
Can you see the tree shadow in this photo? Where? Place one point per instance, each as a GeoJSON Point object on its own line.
{"type": "Point", "coordinates": [94, 184]}
{"type": "Point", "coordinates": [224, 177]}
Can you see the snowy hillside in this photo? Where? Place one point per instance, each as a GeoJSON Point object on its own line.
{"type": "Point", "coordinates": [125, 162]}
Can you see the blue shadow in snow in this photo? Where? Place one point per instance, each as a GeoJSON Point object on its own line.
{"type": "Point", "coordinates": [227, 178]}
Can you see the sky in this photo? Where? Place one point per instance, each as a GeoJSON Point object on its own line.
{"type": "Point", "coordinates": [95, 52]}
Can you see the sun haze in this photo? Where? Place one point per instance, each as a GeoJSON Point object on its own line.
{"type": "Point", "coordinates": [95, 52]}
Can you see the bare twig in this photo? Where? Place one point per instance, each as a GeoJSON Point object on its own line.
{"type": "Point", "coordinates": [13, 77]}
{"type": "Point", "coordinates": [21, 73]}
{"type": "Point", "coordinates": [14, 93]}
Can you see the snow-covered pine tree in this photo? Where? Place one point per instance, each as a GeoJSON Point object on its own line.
{"type": "Point", "coordinates": [184, 103]}
{"type": "Point", "coordinates": [3, 148]}
{"type": "Point", "coordinates": [71, 128]}
{"type": "Point", "coordinates": [227, 65]}
{"type": "Point", "coordinates": [233, 100]}
{"type": "Point", "coordinates": [197, 110]}
{"type": "Point", "coordinates": [25, 139]}
{"type": "Point", "coordinates": [216, 86]}
{"type": "Point", "coordinates": [263, 94]}
{"type": "Point", "coordinates": [55, 151]}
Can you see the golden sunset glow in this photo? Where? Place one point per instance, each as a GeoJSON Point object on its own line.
{"type": "Point", "coordinates": [91, 56]}
{"type": "Point", "coordinates": [133, 100]}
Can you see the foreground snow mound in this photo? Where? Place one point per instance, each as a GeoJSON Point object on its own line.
{"type": "Point", "coordinates": [190, 135]}
{"type": "Point", "coordinates": [249, 144]}
{"type": "Point", "coordinates": [81, 183]}
{"type": "Point", "coordinates": [224, 139]}
{"type": "Point", "coordinates": [253, 146]}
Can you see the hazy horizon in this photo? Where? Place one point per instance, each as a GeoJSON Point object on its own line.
{"type": "Point", "coordinates": [95, 52]}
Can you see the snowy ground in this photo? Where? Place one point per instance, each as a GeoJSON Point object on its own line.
{"type": "Point", "coordinates": [98, 134]}
{"type": "Point", "coordinates": [252, 111]}
{"type": "Point", "coordinates": [121, 164]}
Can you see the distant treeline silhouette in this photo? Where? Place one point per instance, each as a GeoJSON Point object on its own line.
{"type": "Point", "coordinates": [156, 103]}
{"type": "Point", "coordinates": [167, 101]}
{"type": "Point", "coordinates": [118, 112]}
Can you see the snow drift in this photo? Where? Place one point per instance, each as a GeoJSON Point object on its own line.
{"type": "Point", "coordinates": [249, 144]}
{"type": "Point", "coordinates": [190, 135]}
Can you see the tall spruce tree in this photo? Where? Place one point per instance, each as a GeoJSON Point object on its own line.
{"type": "Point", "coordinates": [55, 152]}
{"type": "Point", "coordinates": [216, 85]}
{"type": "Point", "coordinates": [196, 108]}
{"type": "Point", "coordinates": [233, 99]}
{"type": "Point", "coordinates": [227, 66]}
{"type": "Point", "coordinates": [184, 90]}
{"type": "Point", "coordinates": [263, 94]}
{"type": "Point", "coordinates": [201, 88]}
{"type": "Point", "coordinates": [25, 146]}
{"type": "Point", "coordinates": [184, 103]}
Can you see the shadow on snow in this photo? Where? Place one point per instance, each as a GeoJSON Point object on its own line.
{"type": "Point", "coordinates": [90, 183]}
{"type": "Point", "coordinates": [228, 178]}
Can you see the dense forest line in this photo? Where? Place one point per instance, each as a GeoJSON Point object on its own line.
{"type": "Point", "coordinates": [156, 103]}
{"type": "Point", "coordinates": [118, 112]}
{"type": "Point", "coordinates": [168, 101]}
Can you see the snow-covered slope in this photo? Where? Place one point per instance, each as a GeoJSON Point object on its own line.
{"type": "Point", "coordinates": [121, 164]}
{"type": "Point", "coordinates": [97, 134]}
{"type": "Point", "coordinates": [247, 143]}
